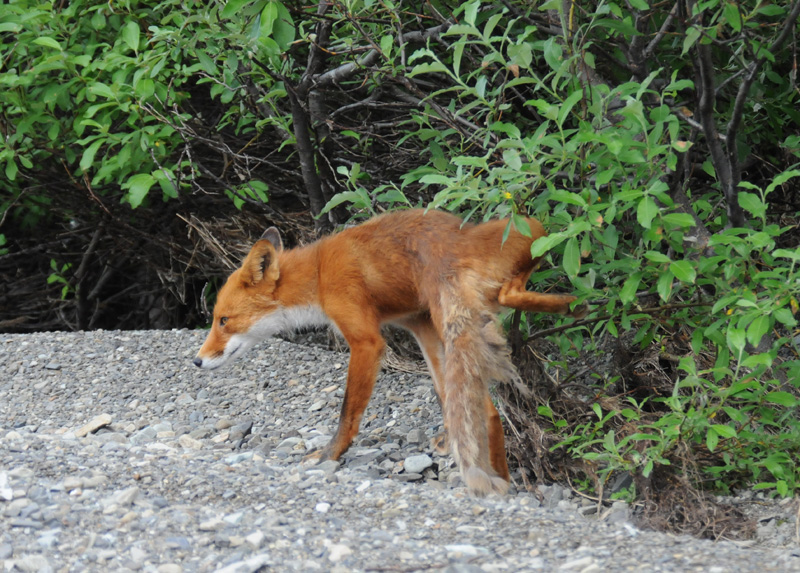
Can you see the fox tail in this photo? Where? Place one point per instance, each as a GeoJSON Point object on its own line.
{"type": "Point", "coordinates": [476, 354]}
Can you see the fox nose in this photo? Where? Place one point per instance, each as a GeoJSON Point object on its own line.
{"type": "Point", "coordinates": [198, 362]}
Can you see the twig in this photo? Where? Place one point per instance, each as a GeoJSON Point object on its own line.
{"type": "Point", "coordinates": [586, 321]}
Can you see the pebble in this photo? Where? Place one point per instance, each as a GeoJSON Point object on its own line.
{"type": "Point", "coordinates": [183, 470]}
{"type": "Point", "coordinates": [417, 464]}
{"type": "Point", "coordinates": [93, 425]}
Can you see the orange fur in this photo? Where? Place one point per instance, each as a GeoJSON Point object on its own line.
{"type": "Point", "coordinates": [425, 271]}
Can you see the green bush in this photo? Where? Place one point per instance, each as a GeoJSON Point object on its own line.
{"type": "Point", "coordinates": [606, 166]}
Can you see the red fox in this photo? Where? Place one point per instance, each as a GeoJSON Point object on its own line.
{"type": "Point", "coordinates": [426, 271]}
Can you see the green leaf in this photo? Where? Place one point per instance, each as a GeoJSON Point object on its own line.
{"type": "Point", "coordinates": [785, 317]}
{"type": "Point", "coordinates": [724, 430]}
{"type": "Point", "coordinates": [567, 106]}
{"type": "Point", "coordinates": [664, 285]}
{"type": "Point", "coordinates": [572, 257]}
{"type": "Point", "coordinates": [731, 13]}
{"type": "Point", "coordinates": [752, 203]}
{"type": "Point", "coordinates": [357, 199]}
{"type": "Point", "coordinates": [387, 42]}
{"type": "Point", "coordinates": [11, 169]}
{"type": "Point", "coordinates": [712, 439]}
{"type": "Point", "coordinates": [520, 54]}
{"type": "Point", "coordinates": [280, 24]}
{"type": "Point", "coordinates": [233, 7]}
{"type": "Point", "coordinates": [206, 63]}
{"type": "Point", "coordinates": [88, 155]}
{"type": "Point", "coordinates": [268, 17]}
{"type": "Point", "coordinates": [757, 329]}
{"type": "Point", "coordinates": [683, 220]}
{"type": "Point", "coordinates": [512, 159]}
{"type": "Point", "coordinates": [628, 291]}
{"type": "Point", "coordinates": [101, 90]}
{"type": "Point", "coordinates": [683, 271]}
{"type": "Point", "coordinates": [138, 186]}
{"type": "Point", "coordinates": [736, 338]}
{"type": "Point", "coordinates": [543, 244]}
{"type": "Point", "coordinates": [781, 398]}
{"type": "Point", "coordinates": [48, 42]}
{"type": "Point", "coordinates": [646, 211]}
{"type": "Point", "coordinates": [657, 257]}
{"type": "Point", "coordinates": [130, 35]}
{"type": "Point", "coordinates": [692, 35]}
{"type": "Point", "coordinates": [471, 12]}
{"type": "Point", "coordinates": [428, 68]}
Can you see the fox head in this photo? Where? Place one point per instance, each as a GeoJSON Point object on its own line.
{"type": "Point", "coordinates": [246, 310]}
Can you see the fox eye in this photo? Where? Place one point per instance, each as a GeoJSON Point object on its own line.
{"type": "Point", "coordinates": [223, 320]}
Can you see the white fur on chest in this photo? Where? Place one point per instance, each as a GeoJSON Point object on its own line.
{"type": "Point", "coordinates": [288, 319]}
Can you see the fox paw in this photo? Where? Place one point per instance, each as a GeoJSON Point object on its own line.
{"type": "Point", "coordinates": [316, 457]}
{"type": "Point", "coordinates": [480, 483]}
{"type": "Point", "coordinates": [579, 311]}
{"type": "Point", "coordinates": [439, 444]}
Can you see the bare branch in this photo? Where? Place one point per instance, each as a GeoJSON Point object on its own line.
{"type": "Point", "coordinates": [752, 71]}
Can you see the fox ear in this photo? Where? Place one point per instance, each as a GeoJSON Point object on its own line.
{"type": "Point", "coordinates": [261, 263]}
{"type": "Point", "coordinates": [273, 236]}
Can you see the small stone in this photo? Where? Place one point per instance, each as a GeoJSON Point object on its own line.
{"type": "Point", "coordinates": [169, 568]}
{"type": "Point", "coordinates": [289, 443]}
{"type": "Point", "coordinates": [329, 467]}
{"type": "Point", "coordinates": [241, 430]}
{"type": "Point", "coordinates": [317, 442]}
{"type": "Point", "coordinates": [73, 482]}
{"type": "Point", "coordinates": [464, 550]}
{"type": "Point", "coordinates": [33, 563]}
{"type": "Point", "coordinates": [178, 543]}
{"type": "Point", "coordinates": [93, 425]}
{"type": "Point", "coordinates": [14, 508]}
{"type": "Point", "coordinates": [234, 518]}
{"type": "Point", "coordinates": [144, 435]}
{"type": "Point", "coordinates": [6, 551]}
{"type": "Point", "coordinates": [417, 464]}
{"type": "Point", "coordinates": [211, 524]}
{"type": "Point", "coordinates": [121, 498]}
{"type": "Point", "coordinates": [6, 492]}
{"type": "Point", "coordinates": [190, 443]}
{"type": "Point", "coordinates": [322, 507]}
{"type": "Point", "coordinates": [338, 551]}
{"type": "Point", "coordinates": [255, 539]}
{"type": "Point", "coordinates": [317, 406]}
{"type": "Point", "coordinates": [184, 399]}
{"type": "Point", "coordinates": [49, 538]}
{"type": "Point", "coordinates": [239, 458]}
{"type": "Point", "coordinates": [221, 437]}
{"type": "Point", "coordinates": [415, 436]}
{"type": "Point", "coordinates": [223, 424]}
{"type": "Point", "coordinates": [577, 564]}
{"type": "Point", "coordinates": [249, 565]}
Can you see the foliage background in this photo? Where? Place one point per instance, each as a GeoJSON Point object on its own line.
{"type": "Point", "coordinates": [144, 142]}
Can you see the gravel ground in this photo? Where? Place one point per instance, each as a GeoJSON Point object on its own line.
{"type": "Point", "coordinates": [116, 454]}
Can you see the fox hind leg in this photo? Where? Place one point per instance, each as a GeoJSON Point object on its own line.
{"type": "Point", "coordinates": [514, 295]}
{"type": "Point", "coordinates": [497, 447]}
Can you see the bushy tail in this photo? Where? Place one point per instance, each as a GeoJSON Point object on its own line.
{"type": "Point", "coordinates": [475, 354]}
